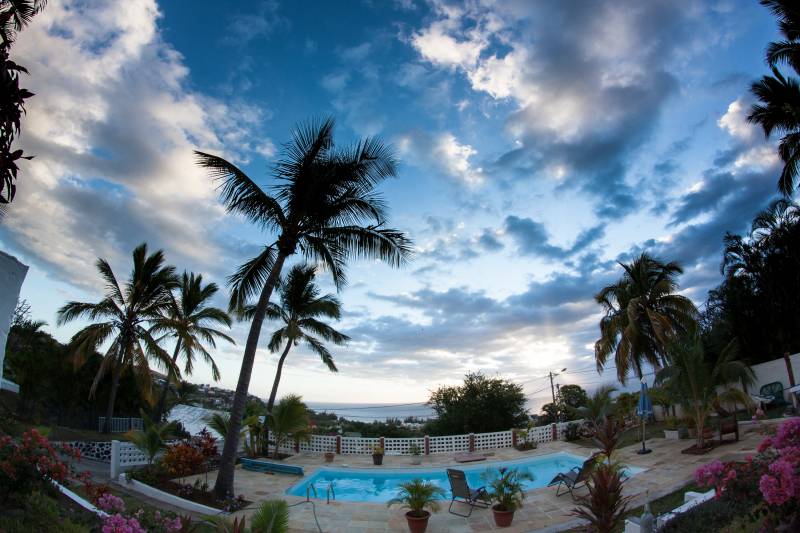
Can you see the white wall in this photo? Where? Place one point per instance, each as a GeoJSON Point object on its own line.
{"type": "Point", "coordinates": [776, 370]}
{"type": "Point", "coordinates": [12, 274]}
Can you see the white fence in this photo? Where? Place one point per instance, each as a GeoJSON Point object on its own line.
{"type": "Point", "coordinates": [121, 425]}
{"type": "Point", "coordinates": [124, 454]}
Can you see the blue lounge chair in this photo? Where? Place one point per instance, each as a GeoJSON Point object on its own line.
{"type": "Point", "coordinates": [258, 465]}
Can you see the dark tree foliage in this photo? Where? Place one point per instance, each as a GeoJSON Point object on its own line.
{"type": "Point", "coordinates": [481, 404]}
{"type": "Point", "coordinates": [51, 389]}
{"type": "Point", "coordinates": [757, 301]}
{"type": "Point", "coordinates": [14, 15]}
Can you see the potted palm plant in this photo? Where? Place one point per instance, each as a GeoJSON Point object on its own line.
{"type": "Point", "coordinates": [506, 492]}
{"type": "Point", "coordinates": [420, 498]}
{"type": "Point", "coordinates": [416, 454]}
{"type": "Point", "coordinates": [377, 454]}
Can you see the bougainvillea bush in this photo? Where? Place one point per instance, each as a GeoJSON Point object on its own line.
{"type": "Point", "coordinates": [767, 484]}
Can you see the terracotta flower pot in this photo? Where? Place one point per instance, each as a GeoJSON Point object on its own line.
{"type": "Point", "coordinates": [329, 456]}
{"type": "Point", "coordinates": [417, 524]}
{"type": "Point", "coordinates": [502, 518]}
{"type": "Point", "coordinates": [377, 458]}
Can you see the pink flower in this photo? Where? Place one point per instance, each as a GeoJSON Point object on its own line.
{"type": "Point", "coordinates": [119, 524]}
{"type": "Point", "coordinates": [764, 445]}
{"type": "Point", "coordinates": [110, 503]}
{"type": "Point", "coordinates": [709, 475]}
{"type": "Point", "coordinates": [781, 484]}
{"type": "Point", "coordinates": [788, 434]}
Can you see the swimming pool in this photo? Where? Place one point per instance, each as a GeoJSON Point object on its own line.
{"type": "Point", "coordinates": [381, 485]}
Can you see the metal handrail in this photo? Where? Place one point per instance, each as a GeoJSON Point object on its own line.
{"type": "Point", "coordinates": [329, 492]}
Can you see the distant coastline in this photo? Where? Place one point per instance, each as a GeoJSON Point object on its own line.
{"type": "Point", "coordinates": [368, 412]}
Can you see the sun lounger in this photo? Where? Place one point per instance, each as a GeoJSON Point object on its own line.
{"type": "Point", "coordinates": [574, 478]}
{"type": "Point", "coordinates": [258, 465]}
{"type": "Point", "coordinates": [463, 494]}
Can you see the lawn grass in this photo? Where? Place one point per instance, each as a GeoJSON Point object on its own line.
{"type": "Point", "coordinates": [667, 502]}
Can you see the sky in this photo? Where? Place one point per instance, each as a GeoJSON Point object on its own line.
{"type": "Point", "coordinates": [539, 143]}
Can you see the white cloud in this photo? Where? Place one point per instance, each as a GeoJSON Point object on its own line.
{"type": "Point", "coordinates": [734, 121]}
{"type": "Point", "coordinates": [454, 159]}
{"type": "Point", "coordinates": [113, 127]}
{"type": "Point", "coordinates": [758, 158]}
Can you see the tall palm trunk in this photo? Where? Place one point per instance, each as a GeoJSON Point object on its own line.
{"type": "Point", "coordinates": [275, 383]}
{"type": "Point", "coordinates": [223, 488]}
{"type": "Point", "coordinates": [163, 398]}
{"type": "Point", "coordinates": [112, 396]}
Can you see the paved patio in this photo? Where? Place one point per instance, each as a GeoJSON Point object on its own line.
{"type": "Point", "coordinates": [666, 470]}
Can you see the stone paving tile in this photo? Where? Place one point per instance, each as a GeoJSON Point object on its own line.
{"type": "Point", "coordinates": [666, 470]}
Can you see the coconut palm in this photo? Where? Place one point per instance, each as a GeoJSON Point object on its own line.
{"type": "Point", "coordinates": [300, 308]}
{"type": "Point", "coordinates": [120, 319]}
{"type": "Point", "coordinates": [289, 417]}
{"type": "Point", "coordinates": [778, 107]}
{"type": "Point", "coordinates": [642, 314]}
{"type": "Point", "coordinates": [189, 320]}
{"type": "Point", "coordinates": [704, 383]}
{"type": "Point", "coordinates": [272, 516]}
{"type": "Point", "coordinates": [323, 205]}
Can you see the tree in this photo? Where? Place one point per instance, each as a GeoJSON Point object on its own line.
{"type": "Point", "coordinates": [300, 309]}
{"type": "Point", "coordinates": [289, 417]}
{"type": "Point", "coordinates": [701, 381]}
{"type": "Point", "coordinates": [272, 516]}
{"type": "Point", "coordinates": [756, 302]}
{"type": "Point", "coordinates": [480, 405]}
{"type": "Point", "coordinates": [571, 398]}
{"type": "Point", "coordinates": [324, 206]}
{"type": "Point", "coordinates": [598, 406]}
{"type": "Point", "coordinates": [14, 16]}
{"type": "Point", "coordinates": [153, 438]}
{"type": "Point", "coordinates": [778, 107]}
{"type": "Point", "coordinates": [642, 314]}
{"type": "Point", "coordinates": [121, 317]}
{"type": "Point", "coordinates": [189, 320]}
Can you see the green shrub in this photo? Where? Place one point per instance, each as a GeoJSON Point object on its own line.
{"type": "Point", "coordinates": [573, 432]}
{"type": "Point", "coordinates": [41, 513]}
{"type": "Point", "coordinates": [708, 517]}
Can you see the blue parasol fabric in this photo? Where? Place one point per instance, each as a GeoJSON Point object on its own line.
{"type": "Point", "coordinates": [645, 407]}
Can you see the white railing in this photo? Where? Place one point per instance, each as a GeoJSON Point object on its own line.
{"type": "Point", "coordinates": [121, 425]}
{"type": "Point", "coordinates": [125, 454]}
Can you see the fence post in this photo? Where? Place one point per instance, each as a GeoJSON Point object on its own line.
{"type": "Point", "coordinates": [380, 443]}
{"type": "Point", "coordinates": [114, 460]}
{"type": "Point", "coordinates": [297, 445]}
{"type": "Point", "coordinates": [339, 444]}
{"type": "Point", "coordinates": [427, 445]}
{"type": "Point", "coordinates": [513, 437]}
{"type": "Point", "coordinates": [471, 442]}
{"type": "Point", "coordinates": [555, 431]}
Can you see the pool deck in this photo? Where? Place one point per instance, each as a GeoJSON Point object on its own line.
{"type": "Point", "coordinates": [666, 470]}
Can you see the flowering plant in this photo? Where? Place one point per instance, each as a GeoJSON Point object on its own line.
{"type": "Point", "coordinates": [183, 459]}
{"type": "Point", "coordinates": [29, 463]}
{"type": "Point", "coordinates": [119, 524]}
{"type": "Point", "coordinates": [769, 482]}
{"type": "Point", "coordinates": [110, 503]}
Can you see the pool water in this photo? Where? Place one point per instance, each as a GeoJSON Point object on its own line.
{"type": "Point", "coordinates": [374, 485]}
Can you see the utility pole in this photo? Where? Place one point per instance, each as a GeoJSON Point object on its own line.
{"type": "Point", "coordinates": [552, 388]}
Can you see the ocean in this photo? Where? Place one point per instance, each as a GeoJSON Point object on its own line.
{"type": "Point", "coordinates": [365, 412]}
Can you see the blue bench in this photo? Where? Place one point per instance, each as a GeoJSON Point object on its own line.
{"type": "Point", "coordinates": [258, 465]}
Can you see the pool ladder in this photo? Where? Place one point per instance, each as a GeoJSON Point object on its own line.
{"type": "Point", "coordinates": [330, 491]}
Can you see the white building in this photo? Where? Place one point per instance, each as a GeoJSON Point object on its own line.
{"type": "Point", "coordinates": [12, 274]}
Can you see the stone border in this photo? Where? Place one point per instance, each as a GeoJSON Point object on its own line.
{"type": "Point", "coordinates": [166, 497]}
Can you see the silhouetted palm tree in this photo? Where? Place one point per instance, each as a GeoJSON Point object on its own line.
{"type": "Point", "coordinates": [324, 205]}
{"type": "Point", "coordinates": [121, 318]}
{"type": "Point", "coordinates": [189, 320]}
{"type": "Point", "coordinates": [642, 314]}
{"type": "Point", "coordinates": [289, 417]}
{"type": "Point", "coordinates": [778, 107]}
{"type": "Point", "coordinates": [300, 308]}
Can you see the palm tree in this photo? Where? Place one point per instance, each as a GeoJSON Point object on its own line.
{"type": "Point", "coordinates": [599, 405]}
{"type": "Point", "coordinates": [189, 320]}
{"type": "Point", "coordinates": [120, 318]}
{"type": "Point", "coordinates": [324, 206]}
{"type": "Point", "coordinates": [272, 516]}
{"type": "Point", "coordinates": [153, 438]}
{"type": "Point", "coordinates": [642, 314]}
{"type": "Point", "coordinates": [779, 96]}
{"type": "Point", "coordinates": [299, 310]}
{"type": "Point", "coordinates": [15, 15]}
{"type": "Point", "coordinates": [702, 382]}
{"type": "Point", "coordinates": [289, 417]}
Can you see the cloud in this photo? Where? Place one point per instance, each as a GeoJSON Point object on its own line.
{"type": "Point", "coordinates": [590, 102]}
{"type": "Point", "coordinates": [113, 127]}
{"type": "Point", "coordinates": [444, 152]}
{"type": "Point", "coordinates": [734, 121]}
{"type": "Point", "coordinates": [533, 239]}
{"type": "Point", "coordinates": [243, 28]}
